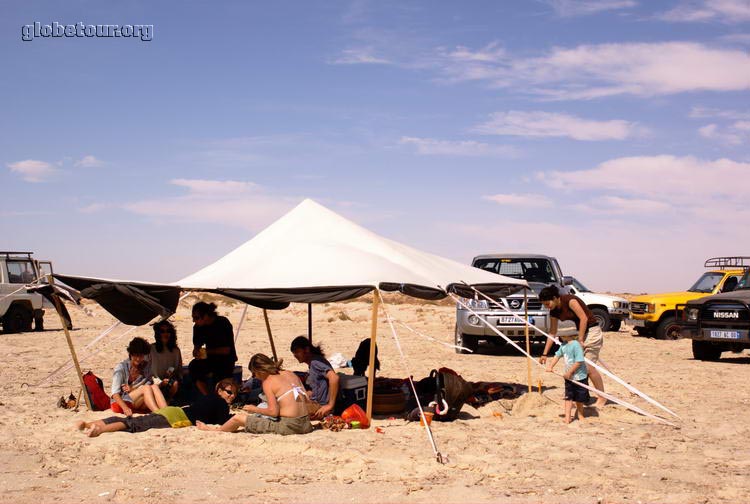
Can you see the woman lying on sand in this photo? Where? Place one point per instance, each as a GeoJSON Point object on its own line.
{"type": "Point", "coordinates": [286, 412]}
{"type": "Point", "coordinates": [213, 408]}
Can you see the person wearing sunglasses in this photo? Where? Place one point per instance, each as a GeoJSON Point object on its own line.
{"type": "Point", "coordinates": [285, 411]}
{"type": "Point", "coordinates": [208, 409]}
{"type": "Point", "coordinates": [166, 359]}
{"type": "Point", "coordinates": [216, 333]}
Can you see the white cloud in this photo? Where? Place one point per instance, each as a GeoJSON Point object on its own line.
{"type": "Point", "coordinates": [707, 113]}
{"type": "Point", "coordinates": [233, 203]}
{"type": "Point", "coordinates": [433, 147]}
{"type": "Point", "coordinates": [32, 170]}
{"type": "Point", "coordinates": [675, 189]}
{"type": "Point", "coordinates": [89, 162]}
{"type": "Point", "coordinates": [520, 200]}
{"type": "Point", "coordinates": [594, 71]}
{"type": "Point", "coordinates": [727, 11]}
{"type": "Point", "coordinates": [214, 187]}
{"type": "Point", "coordinates": [570, 8]}
{"type": "Point", "coordinates": [549, 124]}
{"type": "Point", "coordinates": [359, 56]}
{"type": "Point", "coordinates": [734, 134]}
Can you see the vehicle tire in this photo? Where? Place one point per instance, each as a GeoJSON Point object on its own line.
{"type": "Point", "coordinates": [643, 331]}
{"type": "Point", "coordinates": [39, 323]}
{"type": "Point", "coordinates": [17, 319]}
{"type": "Point", "coordinates": [668, 329]}
{"type": "Point", "coordinates": [705, 351]}
{"type": "Point", "coordinates": [615, 325]}
{"type": "Point", "coordinates": [602, 318]}
{"type": "Point", "coordinates": [465, 340]}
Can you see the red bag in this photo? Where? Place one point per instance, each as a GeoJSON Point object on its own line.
{"type": "Point", "coordinates": [354, 412]}
{"type": "Point", "coordinates": [98, 398]}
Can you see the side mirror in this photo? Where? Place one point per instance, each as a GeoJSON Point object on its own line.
{"type": "Point", "coordinates": [571, 290]}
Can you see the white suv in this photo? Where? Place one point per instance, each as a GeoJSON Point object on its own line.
{"type": "Point", "coordinates": [20, 309]}
{"type": "Point", "coordinates": [608, 310]}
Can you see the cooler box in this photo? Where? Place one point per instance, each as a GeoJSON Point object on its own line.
{"type": "Point", "coordinates": [352, 390]}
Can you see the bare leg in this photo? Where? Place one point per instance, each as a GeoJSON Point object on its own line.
{"type": "Point", "coordinates": [161, 402]}
{"type": "Point", "coordinates": [93, 429]}
{"type": "Point", "coordinates": [568, 411]}
{"type": "Point", "coordinates": [579, 411]}
{"type": "Point", "coordinates": [598, 383]}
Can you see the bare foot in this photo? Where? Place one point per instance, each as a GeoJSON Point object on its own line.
{"type": "Point", "coordinates": [94, 431]}
{"type": "Point", "coordinates": [600, 403]}
{"type": "Point", "coordinates": [566, 420]}
{"type": "Point", "coordinates": [80, 425]}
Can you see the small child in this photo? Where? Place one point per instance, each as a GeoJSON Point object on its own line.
{"type": "Point", "coordinates": [575, 372]}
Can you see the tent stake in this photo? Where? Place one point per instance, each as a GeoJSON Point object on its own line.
{"type": "Point", "coordinates": [56, 299]}
{"type": "Point", "coordinates": [309, 322]}
{"type": "Point", "coordinates": [270, 336]}
{"type": "Point", "coordinates": [526, 331]}
{"type": "Point", "coordinates": [373, 349]}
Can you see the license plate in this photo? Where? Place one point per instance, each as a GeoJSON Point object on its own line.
{"type": "Point", "coordinates": [637, 323]}
{"type": "Point", "coordinates": [725, 334]}
{"type": "Point", "coordinates": [508, 320]}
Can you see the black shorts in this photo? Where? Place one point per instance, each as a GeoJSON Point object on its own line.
{"type": "Point", "coordinates": [576, 393]}
{"type": "Point", "coordinates": [140, 423]}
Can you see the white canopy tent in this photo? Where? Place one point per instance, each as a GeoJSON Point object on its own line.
{"type": "Point", "coordinates": [310, 255]}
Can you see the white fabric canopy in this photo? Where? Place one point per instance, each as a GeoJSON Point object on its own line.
{"type": "Point", "coordinates": [312, 247]}
{"type": "Point", "coordinates": [310, 255]}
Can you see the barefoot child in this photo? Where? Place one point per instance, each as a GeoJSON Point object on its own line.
{"type": "Point", "coordinates": [575, 372]}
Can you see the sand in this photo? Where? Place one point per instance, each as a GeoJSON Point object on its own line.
{"type": "Point", "coordinates": [507, 451]}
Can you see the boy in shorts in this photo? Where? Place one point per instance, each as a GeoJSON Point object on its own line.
{"type": "Point", "coordinates": [575, 373]}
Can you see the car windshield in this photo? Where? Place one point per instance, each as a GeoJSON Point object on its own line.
{"type": "Point", "coordinates": [579, 286]}
{"type": "Point", "coordinates": [707, 282]}
{"type": "Point", "coordinates": [744, 282]}
{"type": "Point", "coordinates": [531, 269]}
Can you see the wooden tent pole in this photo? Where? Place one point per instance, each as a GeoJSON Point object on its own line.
{"type": "Point", "coordinates": [56, 300]}
{"type": "Point", "coordinates": [270, 336]}
{"type": "Point", "coordinates": [526, 331]}
{"type": "Point", "coordinates": [373, 349]}
{"type": "Point", "coordinates": [309, 322]}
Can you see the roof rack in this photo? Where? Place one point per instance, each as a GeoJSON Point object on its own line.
{"type": "Point", "coordinates": [728, 262]}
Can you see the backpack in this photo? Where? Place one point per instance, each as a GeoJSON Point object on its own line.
{"type": "Point", "coordinates": [98, 398]}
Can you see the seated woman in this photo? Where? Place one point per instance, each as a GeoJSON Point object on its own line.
{"type": "Point", "coordinates": [361, 359]}
{"type": "Point", "coordinates": [132, 389]}
{"type": "Point", "coordinates": [166, 358]}
{"type": "Point", "coordinates": [212, 408]}
{"type": "Point", "coordinates": [322, 380]}
{"type": "Point", "coordinates": [286, 412]}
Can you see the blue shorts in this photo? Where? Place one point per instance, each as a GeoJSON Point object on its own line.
{"type": "Point", "coordinates": [576, 393]}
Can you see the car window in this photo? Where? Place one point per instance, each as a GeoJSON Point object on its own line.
{"type": "Point", "coordinates": [532, 270]}
{"type": "Point", "coordinates": [579, 286]}
{"type": "Point", "coordinates": [20, 272]}
{"type": "Point", "coordinates": [707, 282]}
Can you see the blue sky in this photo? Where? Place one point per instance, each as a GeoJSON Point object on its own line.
{"type": "Point", "coordinates": [612, 134]}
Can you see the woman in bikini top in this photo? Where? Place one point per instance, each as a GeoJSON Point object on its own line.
{"type": "Point", "coordinates": [285, 393]}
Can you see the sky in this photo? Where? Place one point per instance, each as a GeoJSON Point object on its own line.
{"type": "Point", "coordinates": [611, 134]}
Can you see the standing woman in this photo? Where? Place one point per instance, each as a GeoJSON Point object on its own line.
{"type": "Point", "coordinates": [217, 334]}
{"type": "Point", "coordinates": [569, 307]}
{"type": "Point", "coordinates": [321, 379]}
{"type": "Point", "coordinates": [166, 358]}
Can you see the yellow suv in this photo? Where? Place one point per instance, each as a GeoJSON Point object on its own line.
{"type": "Point", "coordinates": [655, 313]}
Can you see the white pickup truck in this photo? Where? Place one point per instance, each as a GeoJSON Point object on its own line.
{"type": "Point", "coordinates": [18, 308]}
{"type": "Point", "coordinates": [608, 310]}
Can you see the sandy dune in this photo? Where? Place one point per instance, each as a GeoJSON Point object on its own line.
{"type": "Point", "coordinates": [509, 451]}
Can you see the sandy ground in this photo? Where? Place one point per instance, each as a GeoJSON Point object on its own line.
{"type": "Point", "coordinates": [509, 451]}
